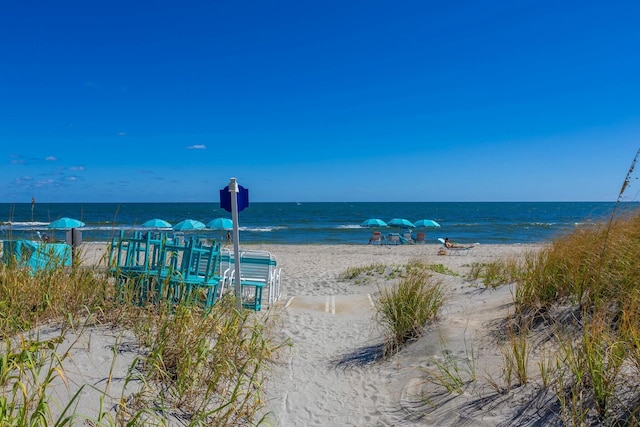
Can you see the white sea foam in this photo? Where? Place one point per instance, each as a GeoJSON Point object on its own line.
{"type": "Point", "coordinates": [26, 223]}
{"type": "Point", "coordinates": [262, 229]}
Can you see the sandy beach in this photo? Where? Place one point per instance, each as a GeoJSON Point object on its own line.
{"type": "Point", "coordinates": [326, 377]}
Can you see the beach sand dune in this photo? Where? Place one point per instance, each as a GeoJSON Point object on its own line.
{"type": "Point", "coordinates": [328, 376]}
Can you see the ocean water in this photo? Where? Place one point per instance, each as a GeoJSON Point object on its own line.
{"type": "Point", "coordinates": [319, 223]}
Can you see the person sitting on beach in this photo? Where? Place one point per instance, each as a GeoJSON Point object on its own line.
{"type": "Point", "coordinates": [376, 237]}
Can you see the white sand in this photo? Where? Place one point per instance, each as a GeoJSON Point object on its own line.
{"type": "Point", "coordinates": [326, 378]}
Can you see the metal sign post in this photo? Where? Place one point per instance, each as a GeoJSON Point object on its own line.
{"type": "Point", "coordinates": [233, 189]}
{"type": "Point", "coordinates": [234, 198]}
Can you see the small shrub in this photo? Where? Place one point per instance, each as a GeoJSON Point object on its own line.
{"type": "Point", "coordinates": [363, 274]}
{"type": "Point", "coordinates": [352, 273]}
{"type": "Point", "coordinates": [441, 269]}
{"type": "Point", "coordinates": [452, 373]}
{"type": "Point", "coordinates": [515, 354]}
{"type": "Point", "coordinates": [494, 274]}
{"type": "Point", "coordinates": [405, 308]}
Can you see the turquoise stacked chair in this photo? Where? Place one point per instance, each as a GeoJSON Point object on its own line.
{"type": "Point", "coordinates": [132, 262]}
{"type": "Point", "coordinates": [188, 273]}
{"type": "Point", "coordinates": [195, 279]}
{"type": "Point", "coordinates": [162, 268]}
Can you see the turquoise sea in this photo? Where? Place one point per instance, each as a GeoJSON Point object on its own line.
{"type": "Point", "coordinates": [319, 223]}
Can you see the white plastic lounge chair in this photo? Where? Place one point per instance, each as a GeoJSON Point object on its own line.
{"type": "Point", "coordinates": [258, 271]}
{"type": "Point", "coordinates": [457, 249]}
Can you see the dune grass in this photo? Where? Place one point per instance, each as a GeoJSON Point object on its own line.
{"type": "Point", "coordinates": [595, 270]}
{"type": "Point", "coordinates": [451, 372]}
{"type": "Point", "coordinates": [577, 316]}
{"type": "Point", "coordinates": [405, 308]}
{"type": "Point", "coordinates": [494, 274]}
{"type": "Point", "coordinates": [202, 368]}
{"type": "Point", "coordinates": [594, 274]}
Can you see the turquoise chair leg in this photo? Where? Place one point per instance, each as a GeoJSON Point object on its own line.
{"type": "Point", "coordinates": [259, 298]}
{"type": "Point", "coordinates": [212, 293]}
{"type": "Point", "coordinates": [256, 304]}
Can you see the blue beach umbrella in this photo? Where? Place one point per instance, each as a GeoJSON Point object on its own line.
{"type": "Point", "coordinates": [189, 224]}
{"type": "Point", "coordinates": [373, 222]}
{"type": "Point", "coordinates": [220, 224]}
{"type": "Point", "coordinates": [66, 223]}
{"type": "Point", "coordinates": [401, 223]}
{"type": "Point", "coordinates": [426, 223]}
{"type": "Point", "coordinates": [156, 223]}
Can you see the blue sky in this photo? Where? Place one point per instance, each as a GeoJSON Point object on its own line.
{"type": "Point", "coordinates": [318, 100]}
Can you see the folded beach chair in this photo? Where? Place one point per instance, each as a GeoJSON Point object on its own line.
{"type": "Point", "coordinates": [455, 250]}
{"type": "Point", "coordinates": [131, 261]}
{"type": "Point", "coordinates": [393, 239]}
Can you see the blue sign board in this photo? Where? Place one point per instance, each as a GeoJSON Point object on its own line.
{"type": "Point", "coordinates": [242, 196]}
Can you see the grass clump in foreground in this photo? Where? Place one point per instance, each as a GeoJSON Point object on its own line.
{"type": "Point", "coordinates": [405, 308]}
{"type": "Point", "coordinates": [199, 368]}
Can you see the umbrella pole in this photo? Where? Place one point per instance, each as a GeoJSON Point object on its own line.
{"type": "Point", "coordinates": [73, 246]}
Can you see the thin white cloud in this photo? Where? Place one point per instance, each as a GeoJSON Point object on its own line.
{"type": "Point", "coordinates": [23, 180]}
{"type": "Point", "coordinates": [121, 134]}
{"type": "Point", "coordinates": [76, 168]}
{"type": "Point", "coordinates": [44, 183]}
{"type": "Point", "coordinates": [197, 147]}
{"type": "Point", "coordinates": [51, 158]}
